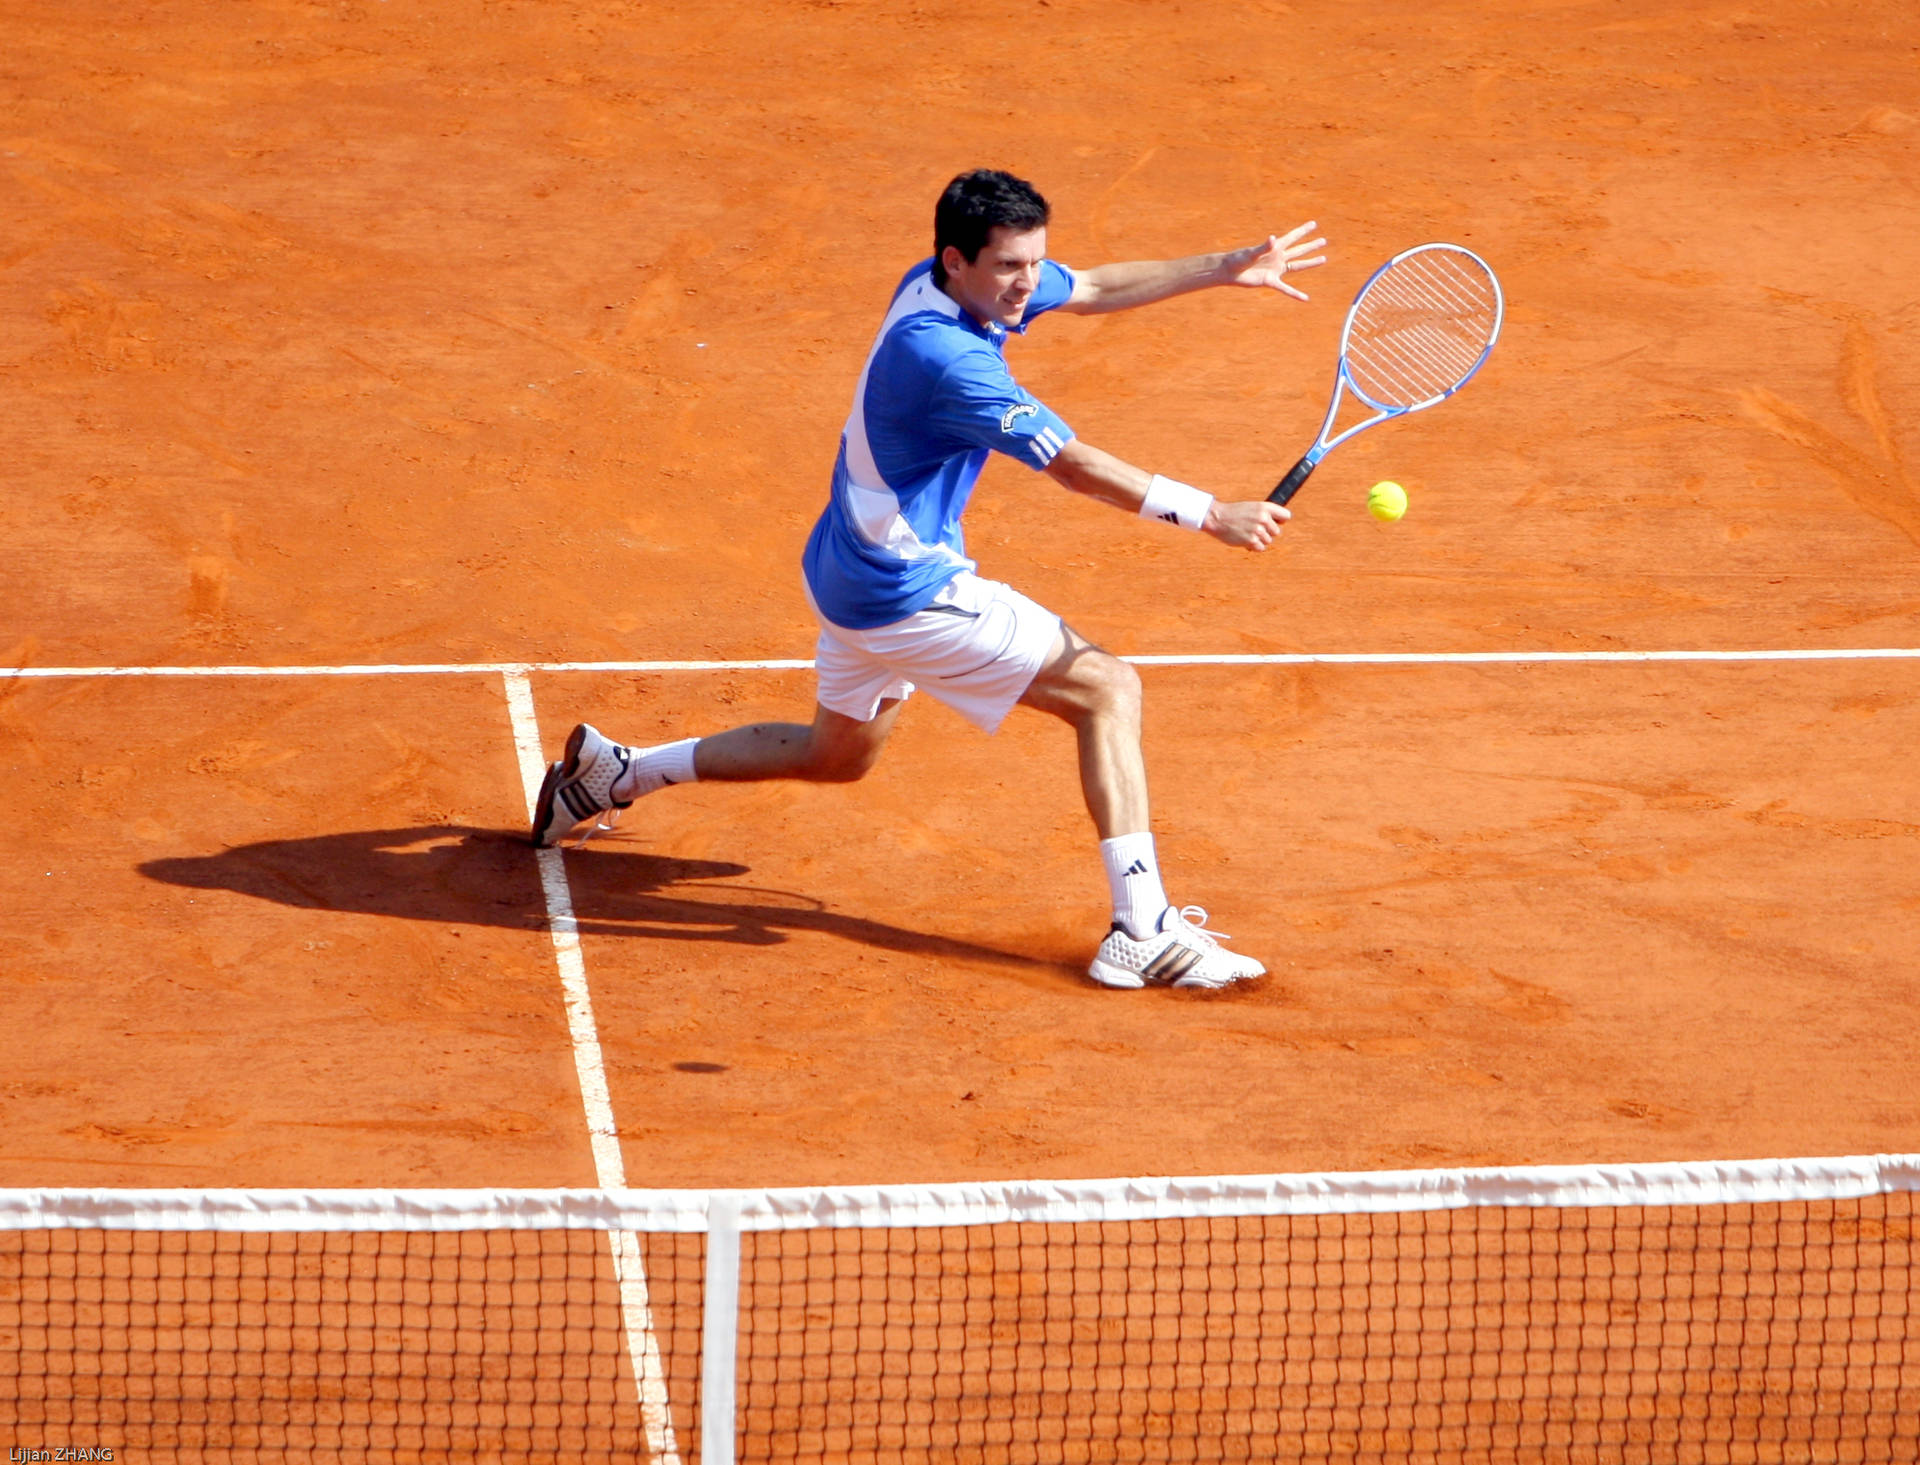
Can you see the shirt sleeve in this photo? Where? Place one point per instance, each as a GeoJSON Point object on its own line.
{"type": "Point", "coordinates": [1054, 289]}
{"type": "Point", "coordinates": [979, 402]}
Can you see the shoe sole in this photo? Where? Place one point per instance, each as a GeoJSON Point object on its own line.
{"type": "Point", "coordinates": [545, 836]}
{"type": "Point", "coordinates": [1117, 977]}
{"type": "Point", "coordinates": [1189, 983]}
{"type": "Point", "coordinates": [1121, 979]}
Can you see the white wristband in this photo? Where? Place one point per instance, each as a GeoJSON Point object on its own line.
{"type": "Point", "coordinates": [1176, 503]}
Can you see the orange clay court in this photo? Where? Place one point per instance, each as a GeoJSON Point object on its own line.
{"type": "Point", "coordinates": [468, 334]}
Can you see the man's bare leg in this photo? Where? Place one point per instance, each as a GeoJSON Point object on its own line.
{"type": "Point", "coordinates": [835, 749]}
{"type": "Point", "coordinates": [598, 777]}
{"type": "Point", "coordinates": [1098, 694]}
{"type": "Point", "coordinates": [1152, 944]}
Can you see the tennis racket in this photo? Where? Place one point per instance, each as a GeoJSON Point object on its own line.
{"type": "Point", "coordinates": [1419, 329]}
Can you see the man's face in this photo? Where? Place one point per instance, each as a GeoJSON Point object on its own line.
{"type": "Point", "coordinates": [1000, 281]}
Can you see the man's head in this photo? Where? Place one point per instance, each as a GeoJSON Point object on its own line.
{"type": "Point", "coordinates": [989, 236]}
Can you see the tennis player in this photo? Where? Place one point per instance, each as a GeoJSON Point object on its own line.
{"type": "Point", "coordinates": [899, 603]}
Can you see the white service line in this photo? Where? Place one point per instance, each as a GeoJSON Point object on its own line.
{"type": "Point", "coordinates": [1483, 658]}
{"type": "Point", "coordinates": [397, 669]}
{"type": "Point", "coordinates": [522, 669]}
{"type": "Point", "coordinates": [643, 1346]}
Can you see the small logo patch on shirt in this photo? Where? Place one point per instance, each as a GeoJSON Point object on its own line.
{"type": "Point", "coordinates": [1014, 414]}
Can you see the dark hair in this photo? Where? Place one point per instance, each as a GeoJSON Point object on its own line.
{"type": "Point", "coordinates": [973, 205]}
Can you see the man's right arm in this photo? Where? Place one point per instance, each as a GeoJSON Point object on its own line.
{"type": "Point", "coordinates": [1245, 524]}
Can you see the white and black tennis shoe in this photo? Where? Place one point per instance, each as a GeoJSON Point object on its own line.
{"type": "Point", "coordinates": [580, 787]}
{"type": "Point", "coordinates": [1182, 953]}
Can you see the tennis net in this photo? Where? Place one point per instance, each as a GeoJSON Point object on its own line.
{"type": "Point", "coordinates": [1751, 1311]}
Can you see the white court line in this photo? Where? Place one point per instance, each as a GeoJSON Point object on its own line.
{"type": "Point", "coordinates": [399, 669]}
{"type": "Point", "coordinates": [1483, 658]}
{"type": "Point", "coordinates": [607, 1164]}
{"type": "Point", "coordinates": [524, 669]}
{"type": "Point", "coordinates": [643, 1346]}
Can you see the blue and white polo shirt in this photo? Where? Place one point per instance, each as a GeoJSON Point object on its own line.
{"type": "Point", "coordinates": [934, 398]}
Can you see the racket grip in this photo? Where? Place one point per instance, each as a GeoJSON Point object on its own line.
{"type": "Point", "coordinates": [1290, 485]}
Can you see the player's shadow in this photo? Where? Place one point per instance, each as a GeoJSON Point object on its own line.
{"type": "Point", "coordinates": [456, 875]}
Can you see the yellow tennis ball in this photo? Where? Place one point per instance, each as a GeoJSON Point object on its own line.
{"type": "Point", "coordinates": [1386, 501]}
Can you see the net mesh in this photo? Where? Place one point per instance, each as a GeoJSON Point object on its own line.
{"type": "Point", "coordinates": [1293, 1318]}
{"type": "Point", "coordinates": [337, 1346]}
{"type": "Point", "coordinates": [1697, 1333]}
{"type": "Point", "coordinates": [1421, 326]}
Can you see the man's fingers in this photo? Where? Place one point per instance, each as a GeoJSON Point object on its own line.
{"type": "Point", "coordinates": [1268, 521]}
{"type": "Point", "coordinates": [1270, 263]}
{"type": "Point", "coordinates": [1287, 250]}
{"type": "Point", "coordinates": [1250, 524]}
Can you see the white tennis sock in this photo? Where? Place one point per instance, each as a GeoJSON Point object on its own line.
{"type": "Point", "coordinates": [1133, 872]}
{"type": "Point", "coordinates": [655, 768]}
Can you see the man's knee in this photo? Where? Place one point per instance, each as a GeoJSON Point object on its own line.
{"type": "Point", "coordinates": [1113, 686]}
{"type": "Point", "coordinates": [1084, 684]}
{"type": "Point", "coordinates": [842, 750]}
{"type": "Point", "coordinates": [1100, 686]}
{"type": "Point", "coordinates": [843, 763]}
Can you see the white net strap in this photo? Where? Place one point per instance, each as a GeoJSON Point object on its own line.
{"type": "Point", "coordinates": [965, 1204]}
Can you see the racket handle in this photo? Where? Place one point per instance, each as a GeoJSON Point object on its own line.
{"type": "Point", "coordinates": [1290, 485]}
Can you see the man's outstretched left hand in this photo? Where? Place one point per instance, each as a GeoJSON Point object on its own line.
{"type": "Point", "coordinates": [1266, 266]}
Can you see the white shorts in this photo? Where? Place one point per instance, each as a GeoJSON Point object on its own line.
{"type": "Point", "coordinates": [977, 648]}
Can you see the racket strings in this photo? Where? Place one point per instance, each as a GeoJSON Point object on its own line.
{"type": "Point", "coordinates": [1422, 327]}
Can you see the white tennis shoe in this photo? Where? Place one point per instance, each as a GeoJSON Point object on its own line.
{"type": "Point", "coordinates": [581, 787]}
{"type": "Point", "coordinates": [1182, 953]}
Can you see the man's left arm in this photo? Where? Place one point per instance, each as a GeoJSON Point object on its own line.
{"type": "Point", "coordinates": [1263, 266]}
